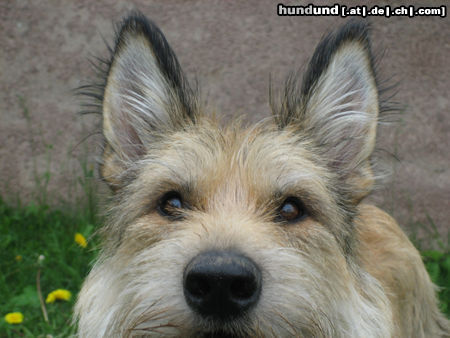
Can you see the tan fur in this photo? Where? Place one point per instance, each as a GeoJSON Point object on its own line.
{"type": "Point", "coordinates": [344, 270]}
{"type": "Point", "coordinates": [389, 256]}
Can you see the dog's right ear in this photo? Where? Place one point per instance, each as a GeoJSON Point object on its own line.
{"type": "Point", "coordinates": [146, 96]}
{"type": "Point", "coordinates": [337, 106]}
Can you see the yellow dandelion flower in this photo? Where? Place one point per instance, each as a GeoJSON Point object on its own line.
{"type": "Point", "coordinates": [59, 294]}
{"type": "Point", "coordinates": [81, 241]}
{"type": "Point", "coordinates": [14, 318]}
{"type": "Point", "coordinates": [18, 258]}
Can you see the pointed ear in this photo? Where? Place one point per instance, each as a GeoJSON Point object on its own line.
{"type": "Point", "coordinates": [337, 106]}
{"type": "Point", "coordinates": [146, 95]}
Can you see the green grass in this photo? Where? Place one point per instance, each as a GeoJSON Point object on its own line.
{"type": "Point", "coordinates": [436, 256]}
{"type": "Point", "coordinates": [30, 232]}
{"type": "Point", "coordinates": [438, 266]}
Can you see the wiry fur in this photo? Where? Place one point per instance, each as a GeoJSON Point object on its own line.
{"type": "Point", "coordinates": [346, 270]}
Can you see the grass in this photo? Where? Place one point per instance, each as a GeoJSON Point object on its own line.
{"type": "Point", "coordinates": [38, 247]}
{"type": "Point", "coordinates": [437, 260]}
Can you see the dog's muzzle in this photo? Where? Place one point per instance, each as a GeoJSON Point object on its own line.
{"type": "Point", "coordinates": [221, 285]}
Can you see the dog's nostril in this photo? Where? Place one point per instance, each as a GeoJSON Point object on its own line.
{"type": "Point", "coordinates": [198, 285]}
{"type": "Point", "coordinates": [221, 284]}
{"type": "Point", "coordinates": [243, 287]}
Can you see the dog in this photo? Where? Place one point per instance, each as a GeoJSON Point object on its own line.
{"type": "Point", "coordinates": [248, 231]}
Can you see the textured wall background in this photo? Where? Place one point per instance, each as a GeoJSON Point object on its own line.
{"type": "Point", "coordinates": [232, 47]}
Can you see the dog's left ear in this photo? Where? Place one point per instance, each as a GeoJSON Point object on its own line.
{"type": "Point", "coordinates": [337, 106]}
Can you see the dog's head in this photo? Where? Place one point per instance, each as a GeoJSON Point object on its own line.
{"type": "Point", "coordinates": [233, 231]}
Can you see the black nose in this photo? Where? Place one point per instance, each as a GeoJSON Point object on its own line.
{"type": "Point", "coordinates": [221, 284]}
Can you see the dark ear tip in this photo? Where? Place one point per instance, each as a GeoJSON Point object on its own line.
{"type": "Point", "coordinates": [135, 23]}
{"type": "Point", "coordinates": [354, 30]}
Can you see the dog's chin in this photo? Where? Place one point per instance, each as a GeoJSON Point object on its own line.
{"type": "Point", "coordinates": [230, 329]}
{"type": "Point", "coordinates": [218, 331]}
{"type": "Point", "coordinates": [217, 334]}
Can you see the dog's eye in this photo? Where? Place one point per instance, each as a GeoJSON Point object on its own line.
{"type": "Point", "coordinates": [292, 210]}
{"type": "Point", "coordinates": [170, 204]}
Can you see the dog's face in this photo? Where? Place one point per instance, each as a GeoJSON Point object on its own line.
{"type": "Point", "coordinates": [233, 231]}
